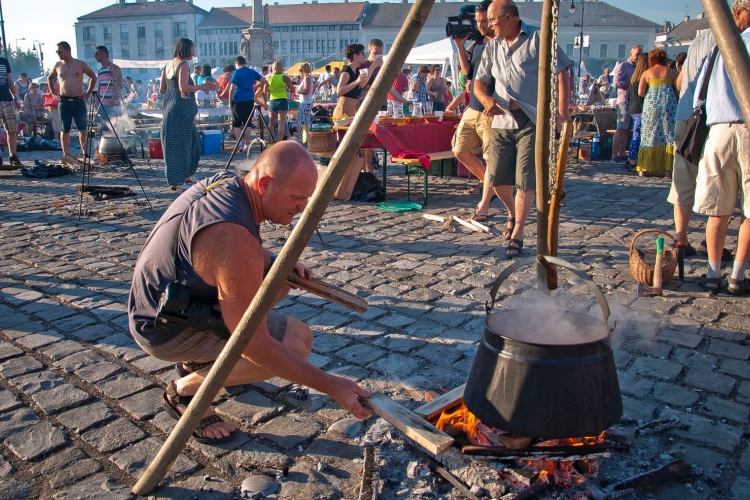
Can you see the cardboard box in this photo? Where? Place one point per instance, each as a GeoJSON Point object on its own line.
{"type": "Point", "coordinates": [346, 186]}
{"type": "Point", "coordinates": [210, 142]}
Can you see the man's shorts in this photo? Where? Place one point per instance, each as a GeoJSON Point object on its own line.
{"type": "Point", "coordinates": [623, 115]}
{"type": "Point", "coordinates": [510, 159]}
{"type": "Point", "coordinates": [8, 116]}
{"type": "Point", "coordinates": [202, 346]}
{"type": "Point", "coordinates": [684, 173]}
{"type": "Point", "coordinates": [72, 108]}
{"type": "Point", "coordinates": [473, 133]}
{"type": "Point", "coordinates": [275, 105]}
{"type": "Point", "coordinates": [241, 112]}
{"type": "Point", "coordinates": [724, 171]}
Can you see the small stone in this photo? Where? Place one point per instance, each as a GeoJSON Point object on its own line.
{"type": "Point", "coordinates": [206, 478]}
{"type": "Point", "coordinates": [259, 484]}
{"type": "Point", "coordinates": [346, 427]}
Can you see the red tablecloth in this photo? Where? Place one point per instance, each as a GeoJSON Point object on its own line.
{"type": "Point", "coordinates": [422, 137]}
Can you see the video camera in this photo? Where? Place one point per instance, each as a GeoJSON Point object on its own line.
{"type": "Point", "coordinates": [465, 24]}
{"type": "Point", "coordinates": [177, 311]}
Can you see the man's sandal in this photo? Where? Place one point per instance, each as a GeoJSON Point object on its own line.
{"type": "Point", "coordinates": [514, 248]}
{"type": "Point", "coordinates": [186, 368]}
{"type": "Point", "coordinates": [510, 225]}
{"type": "Point", "coordinates": [712, 285]}
{"type": "Point", "coordinates": [738, 287]}
{"type": "Point", "coordinates": [170, 400]}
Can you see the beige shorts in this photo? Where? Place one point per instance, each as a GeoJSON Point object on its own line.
{"type": "Point", "coordinates": [511, 159]}
{"type": "Point", "coordinates": [8, 117]}
{"type": "Point", "coordinates": [724, 171]}
{"type": "Point", "coordinates": [473, 133]}
{"type": "Point", "coordinates": [684, 174]}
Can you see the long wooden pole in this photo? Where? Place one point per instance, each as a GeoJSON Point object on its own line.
{"type": "Point", "coordinates": [543, 131]}
{"type": "Point", "coordinates": [289, 255]}
{"type": "Point", "coordinates": [733, 51]}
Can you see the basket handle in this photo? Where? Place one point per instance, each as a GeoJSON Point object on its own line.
{"type": "Point", "coordinates": [646, 231]}
{"type": "Point", "coordinates": [558, 262]}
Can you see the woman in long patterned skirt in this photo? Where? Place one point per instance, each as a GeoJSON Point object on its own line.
{"type": "Point", "coordinates": [636, 108]}
{"type": "Point", "coordinates": [657, 85]}
{"type": "Point", "coordinates": [179, 137]}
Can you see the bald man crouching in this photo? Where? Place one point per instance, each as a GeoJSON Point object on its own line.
{"type": "Point", "coordinates": [206, 251]}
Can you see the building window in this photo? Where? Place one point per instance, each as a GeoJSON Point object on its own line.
{"type": "Point", "coordinates": [621, 51]}
{"type": "Point", "coordinates": [108, 32]}
{"type": "Point", "coordinates": [276, 46]}
{"type": "Point", "coordinates": [88, 50]}
{"type": "Point", "coordinates": [333, 27]}
{"type": "Point", "coordinates": [159, 48]}
{"type": "Point", "coordinates": [180, 29]}
{"type": "Point", "coordinates": [309, 45]}
{"type": "Point", "coordinates": [124, 32]}
{"type": "Point", "coordinates": [283, 45]}
{"type": "Point", "coordinates": [587, 52]}
{"type": "Point", "coordinates": [603, 51]}
{"type": "Point", "coordinates": [89, 33]}
{"type": "Point", "coordinates": [640, 46]}
{"type": "Point", "coordinates": [125, 50]}
{"type": "Point", "coordinates": [158, 29]}
{"type": "Point", "coordinates": [341, 45]}
{"type": "Point", "coordinates": [141, 31]}
{"type": "Point", "coordinates": [296, 28]}
{"type": "Point", "coordinates": [236, 48]}
{"type": "Point", "coordinates": [141, 49]}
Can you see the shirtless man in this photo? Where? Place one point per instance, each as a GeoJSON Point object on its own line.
{"type": "Point", "coordinates": [72, 98]}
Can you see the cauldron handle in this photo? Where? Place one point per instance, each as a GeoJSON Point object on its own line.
{"type": "Point", "coordinates": [558, 262]}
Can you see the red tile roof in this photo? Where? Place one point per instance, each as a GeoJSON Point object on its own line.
{"type": "Point", "coordinates": [315, 13]}
{"type": "Point", "coordinates": [228, 16]}
{"type": "Point", "coordinates": [130, 9]}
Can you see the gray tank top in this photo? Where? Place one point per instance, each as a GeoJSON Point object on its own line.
{"type": "Point", "coordinates": [195, 209]}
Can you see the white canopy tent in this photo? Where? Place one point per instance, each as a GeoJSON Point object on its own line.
{"type": "Point", "coordinates": [442, 52]}
{"type": "Point", "coordinates": [134, 64]}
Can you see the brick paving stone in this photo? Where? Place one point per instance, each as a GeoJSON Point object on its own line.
{"type": "Point", "coordinates": [12, 322]}
{"type": "Point", "coordinates": [60, 398]}
{"type": "Point", "coordinates": [693, 359]}
{"type": "Point", "coordinates": [680, 338]}
{"type": "Point", "coordinates": [121, 345]}
{"type": "Point", "coordinates": [360, 354]}
{"type": "Point", "coordinates": [99, 487]}
{"type": "Point", "coordinates": [8, 401]}
{"type": "Point", "coordinates": [151, 364]}
{"type": "Point", "coordinates": [19, 366]}
{"type": "Point", "coordinates": [8, 351]}
{"type": "Point", "coordinates": [361, 329]}
{"type": "Point", "coordinates": [84, 417]}
{"type": "Point", "coordinates": [354, 373]}
{"type": "Point", "coordinates": [395, 365]}
{"type": "Point", "coordinates": [113, 310]}
{"type": "Point", "coordinates": [396, 320]}
{"type": "Point", "coordinates": [97, 372]}
{"type": "Point", "coordinates": [274, 385]}
{"type": "Point", "coordinates": [195, 488]}
{"type": "Point", "coordinates": [719, 408]}
{"type": "Point", "coordinates": [300, 311]}
{"type": "Point", "coordinates": [327, 320]}
{"type": "Point", "coordinates": [660, 369]}
{"type": "Point", "coordinates": [449, 318]}
{"type": "Point", "coordinates": [93, 332]}
{"type": "Point", "coordinates": [702, 430]}
{"type": "Point", "coordinates": [36, 440]}
{"type": "Point", "coordinates": [113, 436]}
{"type": "Point", "coordinates": [60, 350]}
{"type": "Point", "coordinates": [396, 342]}
{"type": "Point", "coordinates": [424, 329]}
{"type": "Point", "coordinates": [729, 349]}
{"type": "Point", "coordinates": [439, 354]}
{"type": "Point", "coordinates": [18, 295]}
{"type": "Point", "coordinates": [143, 405]}
{"type": "Point", "coordinates": [318, 360]}
{"type": "Point", "coordinates": [710, 381]}
{"type": "Point", "coordinates": [73, 323]}
{"type": "Point", "coordinates": [637, 409]}
{"type": "Point", "coordinates": [736, 367]}
{"type": "Point", "coordinates": [288, 431]}
{"type": "Point", "coordinates": [325, 343]}
{"type": "Point", "coordinates": [238, 462]}
{"type": "Point", "coordinates": [249, 408]}
{"type": "Point", "coordinates": [216, 451]}
{"type": "Point", "coordinates": [674, 394]}
{"type": "Point", "coordinates": [54, 312]}
{"type": "Point", "coordinates": [123, 385]}
{"type": "Point", "coordinates": [66, 467]}
{"type": "Point", "coordinates": [134, 459]}
{"type": "Point", "coordinates": [634, 385]}
{"type": "Point", "coordinates": [41, 339]}
{"type": "Point", "coordinates": [35, 382]}
{"type": "Point", "coordinates": [13, 489]}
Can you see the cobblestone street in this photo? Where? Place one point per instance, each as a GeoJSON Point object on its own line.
{"type": "Point", "coordinates": [80, 412]}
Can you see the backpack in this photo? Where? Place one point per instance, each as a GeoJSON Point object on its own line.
{"type": "Point", "coordinates": [318, 111]}
{"type": "Point", "coordinates": [367, 188]}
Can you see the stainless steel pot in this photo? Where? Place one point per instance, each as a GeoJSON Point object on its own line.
{"type": "Point", "coordinates": [109, 145]}
{"type": "Point", "coordinates": [545, 384]}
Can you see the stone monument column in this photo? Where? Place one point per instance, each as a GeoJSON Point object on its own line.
{"type": "Point", "coordinates": [257, 44]}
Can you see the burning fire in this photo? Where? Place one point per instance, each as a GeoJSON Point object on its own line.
{"type": "Point", "coordinates": [462, 420]}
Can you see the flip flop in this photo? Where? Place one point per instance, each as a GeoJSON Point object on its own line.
{"type": "Point", "coordinates": [169, 401]}
{"type": "Point", "coordinates": [479, 217]}
{"type": "Point", "coordinates": [510, 225]}
{"type": "Point", "coordinates": [474, 190]}
{"type": "Point", "coordinates": [185, 369]}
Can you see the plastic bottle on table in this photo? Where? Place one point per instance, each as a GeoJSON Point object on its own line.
{"type": "Point", "coordinates": [595, 147]}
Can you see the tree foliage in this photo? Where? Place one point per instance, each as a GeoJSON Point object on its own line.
{"type": "Point", "coordinates": [24, 62]}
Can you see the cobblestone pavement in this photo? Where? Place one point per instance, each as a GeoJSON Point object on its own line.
{"type": "Point", "coordinates": [79, 401]}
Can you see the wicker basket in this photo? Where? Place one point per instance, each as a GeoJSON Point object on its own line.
{"type": "Point", "coordinates": [644, 273]}
{"type": "Point", "coordinates": [321, 141]}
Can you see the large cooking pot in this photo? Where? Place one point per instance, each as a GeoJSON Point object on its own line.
{"type": "Point", "coordinates": [545, 373]}
{"type": "Point", "coordinates": [109, 145]}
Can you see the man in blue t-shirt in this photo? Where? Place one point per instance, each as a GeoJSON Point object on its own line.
{"type": "Point", "coordinates": [242, 96]}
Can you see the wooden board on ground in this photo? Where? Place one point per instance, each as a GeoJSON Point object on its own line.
{"type": "Point", "coordinates": [436, 406]}
{"type": "Point", "coordinates": [412, 425]}
{"type": "Point", "coordinates": [329, 292]}
{"type": "Point", "coordinates": [72, 161]}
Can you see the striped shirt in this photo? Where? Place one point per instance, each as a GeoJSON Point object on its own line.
{"type": "Point", "coordinates": [721, 101]}
{"type": "Point", "coordinates": [107, 87]}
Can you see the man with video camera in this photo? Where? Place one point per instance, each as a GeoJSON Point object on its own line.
{"type": "Point", "coordinates": [473, 131]}
{"type": "Point", "coordinates": [200, 268]}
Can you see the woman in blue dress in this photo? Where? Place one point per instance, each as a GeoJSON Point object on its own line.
{"type": "Point", "coordinates": [179, 137]}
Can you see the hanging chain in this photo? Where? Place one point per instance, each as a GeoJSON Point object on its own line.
{"type": "Point", "coordinates": [553, 145]}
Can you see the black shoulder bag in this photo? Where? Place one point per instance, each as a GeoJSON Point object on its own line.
{"type": "Point", "coordinates": [696, 129]}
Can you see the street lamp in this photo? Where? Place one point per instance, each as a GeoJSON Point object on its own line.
{"type": "Point", "coordinates": [37, 45]}
{"type": "Point", "coordinates": [579, 43]}
{"type": "Point", "coordinates": [17, 42]}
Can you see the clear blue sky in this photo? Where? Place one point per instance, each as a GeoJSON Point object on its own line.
{"type": "Point", "coordinates": [51, 21]}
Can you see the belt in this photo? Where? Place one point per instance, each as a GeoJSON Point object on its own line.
{"type": "Point", "coordinates": [70, 98]}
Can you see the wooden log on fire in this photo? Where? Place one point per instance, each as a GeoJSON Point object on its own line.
{"type": "Point", "coordinates": [448, 400]}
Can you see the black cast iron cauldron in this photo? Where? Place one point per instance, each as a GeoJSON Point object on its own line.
{"type": "Point", "coordinates": [557, 383]}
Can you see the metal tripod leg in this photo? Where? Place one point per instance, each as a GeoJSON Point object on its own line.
{"type": "Point", "coordinates": [258, 140]}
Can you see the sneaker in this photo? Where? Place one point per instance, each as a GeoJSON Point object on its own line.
{"type": "Point", "coordinates": [13, 160]}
